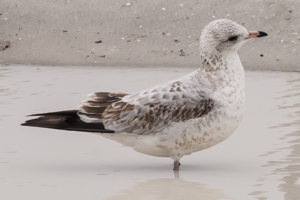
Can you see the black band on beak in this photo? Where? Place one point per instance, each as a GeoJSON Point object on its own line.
{"type": "Point", "coordinates": [262, 34]}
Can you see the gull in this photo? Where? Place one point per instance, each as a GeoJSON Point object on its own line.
{"type": "Point", "coordinates": [176, 118]}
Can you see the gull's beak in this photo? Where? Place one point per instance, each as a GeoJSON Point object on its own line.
{"type": "Point", "coordinates": [253, 34]}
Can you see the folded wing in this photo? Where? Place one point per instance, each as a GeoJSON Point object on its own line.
{"type": "Point", "coordinates": [149, 111]}
{"type": "Point", "coordinates": [146, 112]}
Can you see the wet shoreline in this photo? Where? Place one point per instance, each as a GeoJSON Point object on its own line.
{"type": "Point", "coordinates": [260, 160]}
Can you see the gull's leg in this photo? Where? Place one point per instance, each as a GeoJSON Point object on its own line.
{"type": "Point", "coordinates": [176, 165]}
{"type": "Point", "coordinates": [176, 174]}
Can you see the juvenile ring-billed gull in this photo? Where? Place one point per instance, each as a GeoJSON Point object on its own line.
{"type": "Point", "coordinates": [176, 118]}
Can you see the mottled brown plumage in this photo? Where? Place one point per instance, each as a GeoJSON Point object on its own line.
{"type": "Point", "coordinates": [178, 117]}
{"type": "Point", "coordinates": [157, 117]}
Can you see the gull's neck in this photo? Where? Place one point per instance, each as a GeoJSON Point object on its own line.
{"type": "Point", "coordinates": [215, 61]}
{"type": "Point", "coordinates": [218, 69]}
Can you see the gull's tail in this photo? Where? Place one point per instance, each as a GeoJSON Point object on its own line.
{"type": "Point", "coordinates": [64, 120]}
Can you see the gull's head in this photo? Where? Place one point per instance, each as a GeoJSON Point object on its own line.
{"type": "Point", "coordinates": [224, 36]}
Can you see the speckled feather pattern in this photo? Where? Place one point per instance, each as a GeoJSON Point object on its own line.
{"type": "Point", "coordinates": [181, 116]}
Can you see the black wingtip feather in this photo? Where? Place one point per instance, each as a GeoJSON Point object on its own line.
{"type": "Point", "coordinates": [59, 113]}
{"type": "Point", "coordinates": [65, 120]}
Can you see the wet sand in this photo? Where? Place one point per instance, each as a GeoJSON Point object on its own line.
{"type": "Point", "coordinates": [261, 160]}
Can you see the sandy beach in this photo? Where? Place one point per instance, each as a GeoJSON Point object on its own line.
{"type": "Point", "coordinates": [142, 33]}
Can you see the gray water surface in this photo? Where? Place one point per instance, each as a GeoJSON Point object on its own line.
{"type": "Point", "coordinates": [261, 160]}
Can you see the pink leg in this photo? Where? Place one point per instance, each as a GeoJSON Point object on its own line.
{"type": "Point", "coordinates": [176, 165]}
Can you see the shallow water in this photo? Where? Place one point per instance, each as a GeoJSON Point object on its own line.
{"type": "Point", "coordinates": [261, 160]}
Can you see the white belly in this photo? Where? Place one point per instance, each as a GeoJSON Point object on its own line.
{"type": "Point", "coordinates": [184, 138]}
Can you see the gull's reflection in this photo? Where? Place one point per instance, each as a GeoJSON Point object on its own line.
{"type": "Point", "coordinates": [173, 188]}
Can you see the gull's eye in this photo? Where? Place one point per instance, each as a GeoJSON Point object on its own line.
{"type": "Point", "coordinates": [233, 38]}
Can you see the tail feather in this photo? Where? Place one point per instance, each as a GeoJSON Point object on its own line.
{"type": "Point", "coordinates": [65, 120]}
